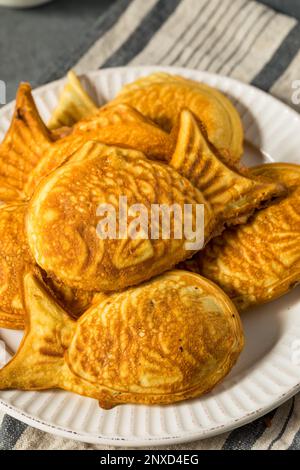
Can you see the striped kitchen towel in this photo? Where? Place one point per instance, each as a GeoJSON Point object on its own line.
{"type": "Point", "coordinates": [239, 38]}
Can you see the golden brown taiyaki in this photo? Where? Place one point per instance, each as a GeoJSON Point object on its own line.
{"type": "Point", "coordinates": [121, 125]}
{"type": "Point", "coordinates": [74, 104]}
{"type": "Point", "coordinates": [63, 219]}
{"type": "Point", "coordinates": [170, 339]}
{"type": "Point", "coordinates": [260, 261]}
{"type": "Point", "coordinates": [116, 125]}
{"type": "Point", "coordinates": [22, 147]}
{"type": "Point", "coordinates": [161, 97]}
{"type": "Point", "coordinates": [15, 261]}
{"type": "Point", "coordinates": [233, 194]}
{"type": "Point", "coordinates": [30, 151]}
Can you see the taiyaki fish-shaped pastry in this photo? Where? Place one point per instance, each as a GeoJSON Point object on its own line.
{"type": "Point", "coordinates": [170, 339]}
{"type": "Point", "coordinates": [121, 125]}
{"type": "Point", "coordinates": [233, 194]}
{"type": "Point", "coordinates": [118, 125]}
{"type": "Point", "coordinates": [161, 97]}
{"type": "Point", "coordinates": [15, 260]}
{"type": "Point", "coordinates": [80, 231]}
{"type": "Point", "coordinates": [74, 104]}
{"type": "Point", "coordinates": [260, 261]}
{"type": "Point", "coordinates": [22, 147]}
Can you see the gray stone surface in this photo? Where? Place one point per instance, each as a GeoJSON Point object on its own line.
{"type": "Point", "coordinates": [32, 39]}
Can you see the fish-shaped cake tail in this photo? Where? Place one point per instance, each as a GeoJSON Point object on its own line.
{"type": "Point", "coordinates": [23, 145]}
{"type": "Point", "coordinates": [233, 193]}
{"type": "Point", "coordinates": [39, 361]}
{"type": "Point", "coordinates": [74, 104]}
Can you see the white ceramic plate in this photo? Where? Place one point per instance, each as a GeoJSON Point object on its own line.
{"type": "Point", "coordinates": [267, 372]}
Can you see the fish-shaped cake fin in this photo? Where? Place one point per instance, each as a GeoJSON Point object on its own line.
{"type": "Point", "coordinates": [40, 359]}
{"type": "Point", "coordinates": [130, 347]}
{"type": "Point", "coordinates": [23, 145]}
{"type": "Point", "coordinates": [74, 104]}
{"type": "Point", "coordinates": [233, 195]}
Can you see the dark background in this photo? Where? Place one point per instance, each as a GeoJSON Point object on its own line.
{"type": "Point", "coordinates": [290, 7]}
{"type": "Point", "coordinates": [31, 39]}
